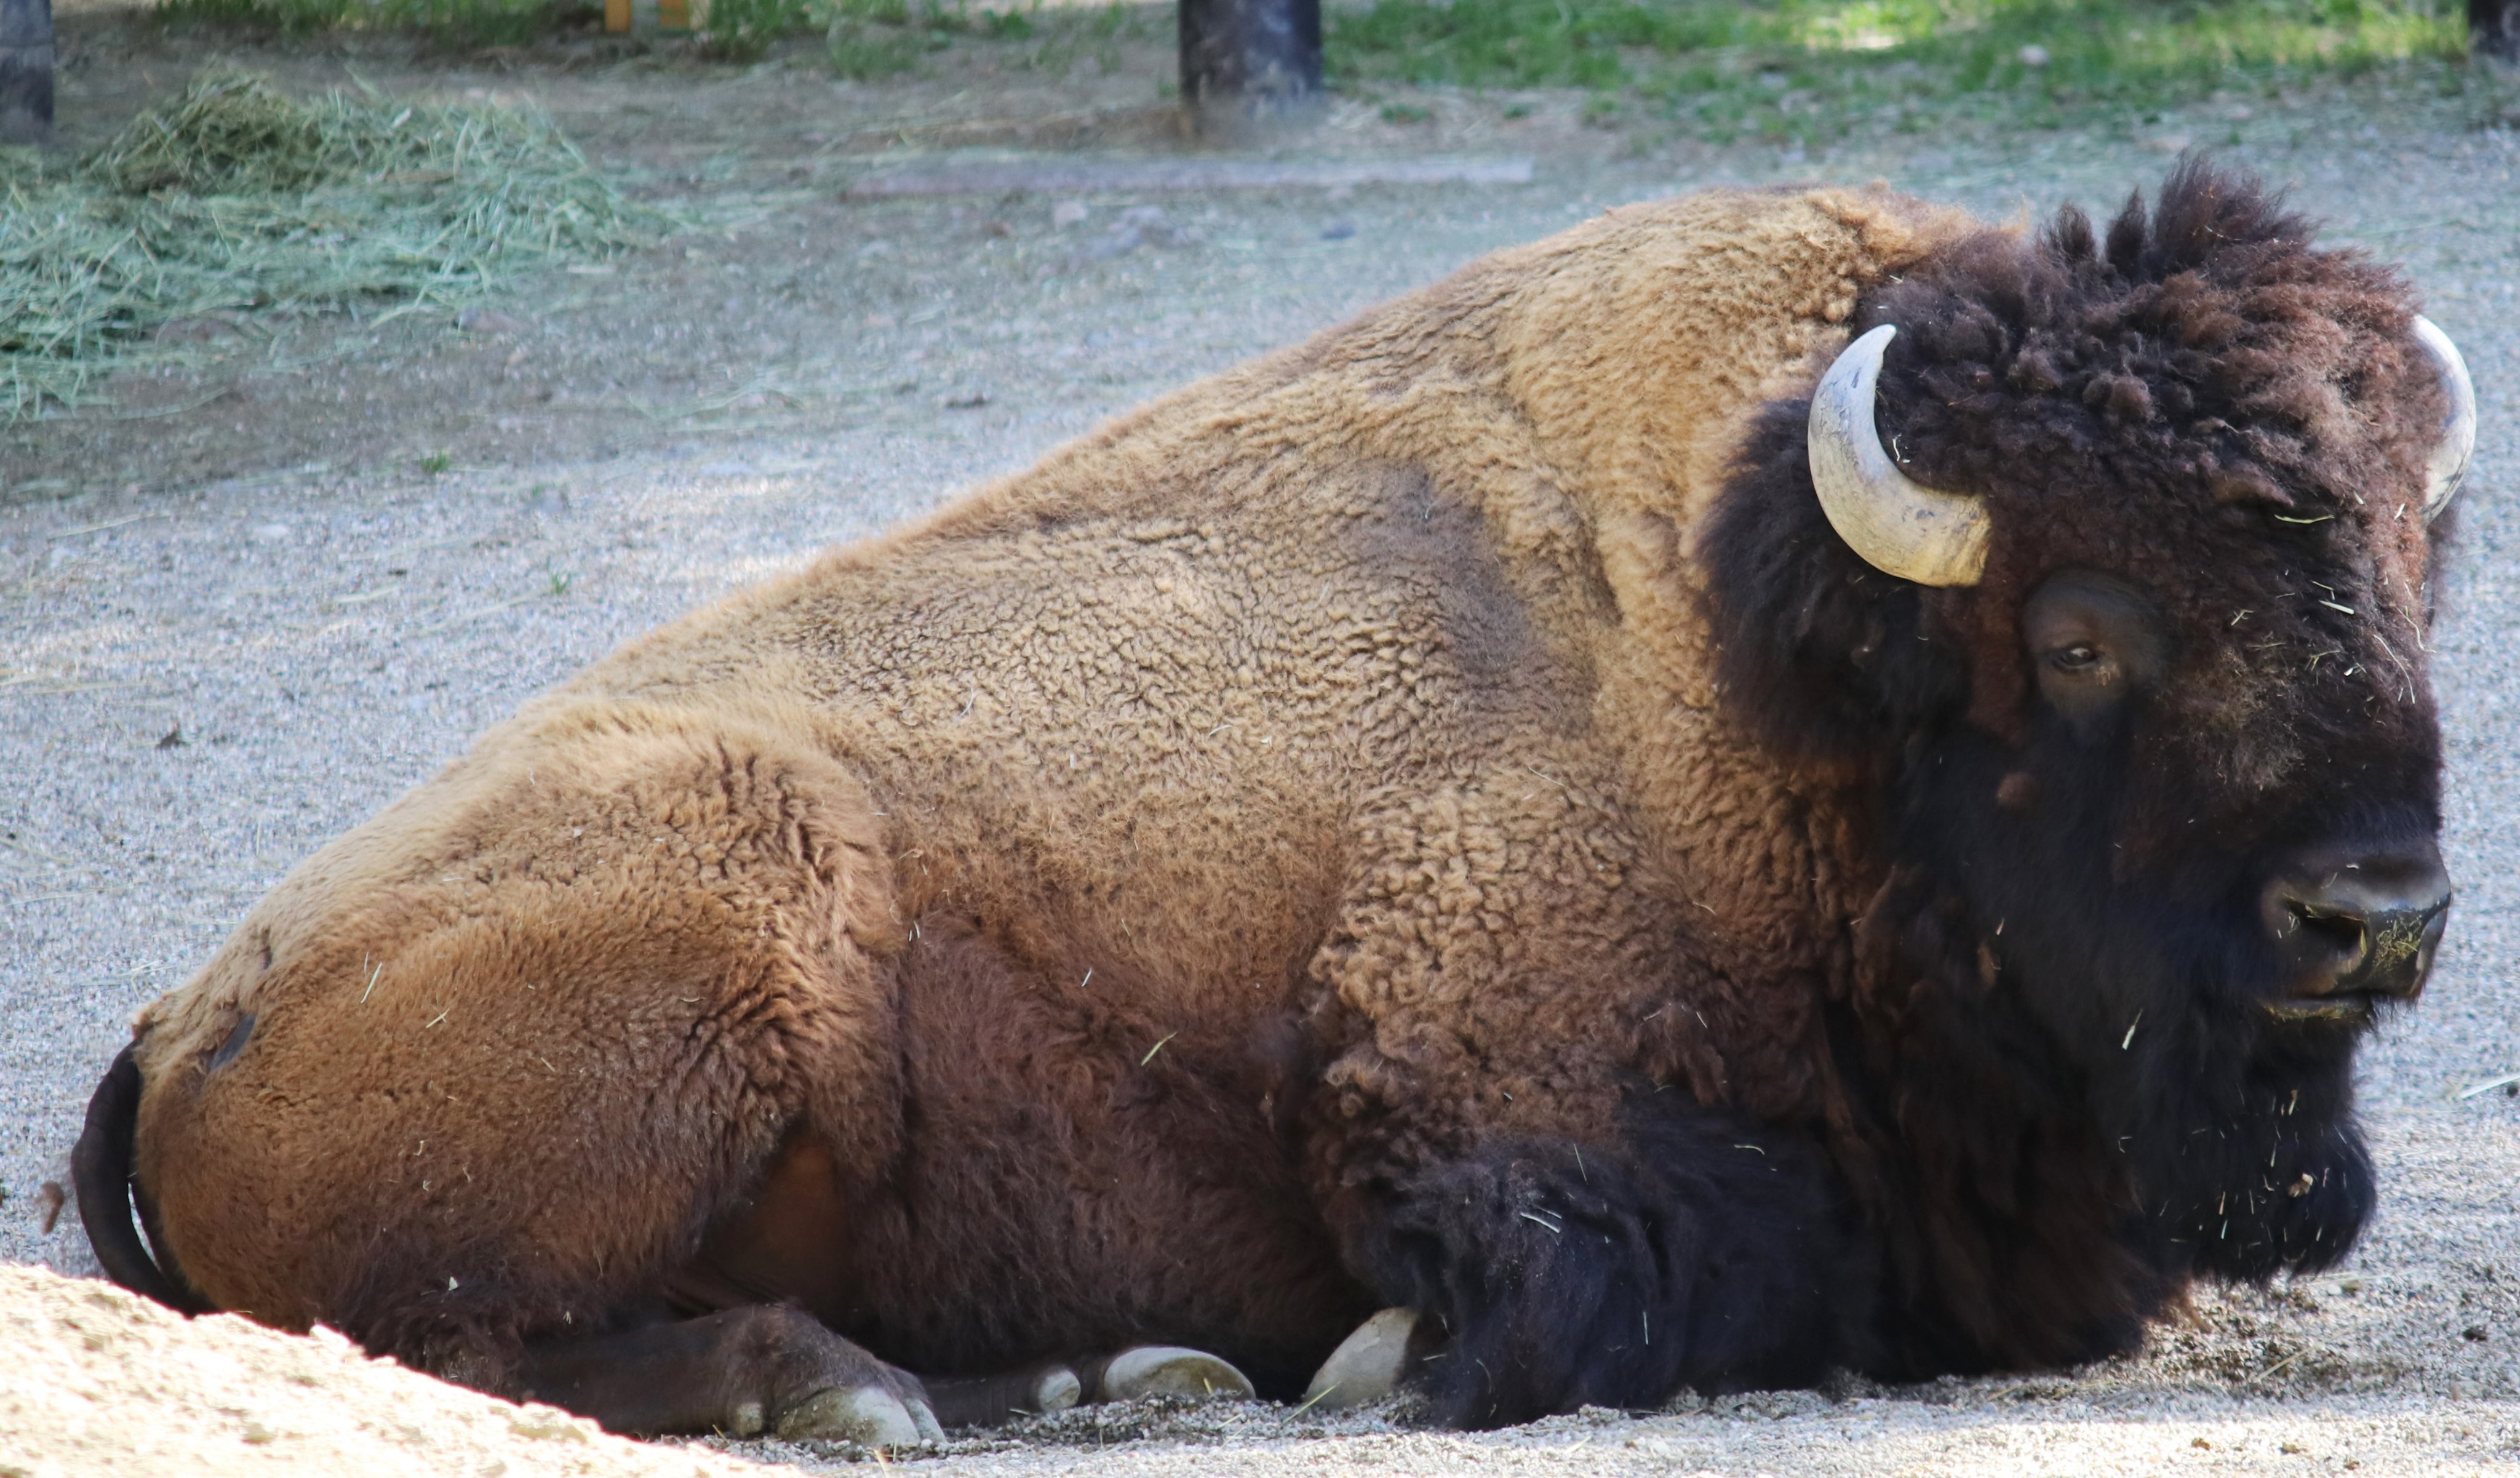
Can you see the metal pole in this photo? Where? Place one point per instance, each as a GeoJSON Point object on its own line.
{"type": "Point", "coordinates": [2493, 29]}
{"type": "Point", "coordinates": [1250, 65]}
{"type": "Point", "coordinates": [25, 70]}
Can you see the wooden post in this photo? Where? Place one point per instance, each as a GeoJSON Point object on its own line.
{"type": "Point", "coordinates": [2493, 29]}
{"type": "Point", "coordinates": [25, 70]}
{"type": "Point", "coordinates": [1250, 65]}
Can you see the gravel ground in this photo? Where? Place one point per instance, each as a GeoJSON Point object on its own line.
{"type": "Point", "coordinates": [200, 682]}
{"type": "Point", "coordinates": [102, 1381]}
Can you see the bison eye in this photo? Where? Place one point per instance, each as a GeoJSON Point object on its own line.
{"type": "Point", "coordinates": [2095, 640]}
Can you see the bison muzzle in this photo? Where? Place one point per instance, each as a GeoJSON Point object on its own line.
{"type": "Point", "coordinates": [1778, 782]}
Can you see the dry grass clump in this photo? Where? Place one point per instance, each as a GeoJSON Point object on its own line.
{"type": "Point", "coordinates": [234, 199]}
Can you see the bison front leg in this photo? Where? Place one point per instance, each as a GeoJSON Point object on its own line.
{"type": "Point", "coordinates": [1506, 1143]}
{"type": "Point", "coordinates": [762, 1369]}
{"type": "Point", "coordinates": [1556, 1275]}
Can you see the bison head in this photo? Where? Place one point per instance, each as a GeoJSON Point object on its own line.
{"type": "Point", "coordinates": [2107, 562]}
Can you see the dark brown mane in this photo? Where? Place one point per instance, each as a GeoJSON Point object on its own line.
{"type": "Point", "coordinates": [2205, 339]}
{"type": "Point", "coordinates": [2200, 383]}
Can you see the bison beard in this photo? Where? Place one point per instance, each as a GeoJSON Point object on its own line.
{"type": "Point", "coordinates": [2089, 1088]}
{"type": "Point", "coordinates": [2146, 986]}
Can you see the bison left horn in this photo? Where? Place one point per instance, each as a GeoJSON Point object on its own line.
{"type": "Point", "coordinates": [2458, 428]}
{"type": "Point", "coordinates": [1898, 526]}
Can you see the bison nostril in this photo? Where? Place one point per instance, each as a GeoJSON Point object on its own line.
{"type": "Point", "coordinates": [2341, 938]}
{"type": "Point", "coordinates": [2400, 951]}
{"type": "Point", "coordinates": [2356, 927]}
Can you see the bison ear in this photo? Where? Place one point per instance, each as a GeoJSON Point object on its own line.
{"type": "Point", "coordinates": [1819, 655]}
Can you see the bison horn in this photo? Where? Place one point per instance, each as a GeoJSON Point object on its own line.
{"type": "Point", "coordinates": [1899, 527]}
{"type": "Point", "coordinates": [2458, 428]}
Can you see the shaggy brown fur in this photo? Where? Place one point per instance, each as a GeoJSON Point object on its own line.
{"type": "Point", "coordinates": [1136, 895]}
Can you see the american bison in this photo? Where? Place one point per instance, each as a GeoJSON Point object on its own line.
{"type": "Point", "coordinates": [1779, 781]}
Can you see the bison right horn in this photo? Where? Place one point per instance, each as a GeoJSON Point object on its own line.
{"type": "Point", "coordinates": [2458, 428]}
{"type": "Point", "coordinates": [1899, 527]}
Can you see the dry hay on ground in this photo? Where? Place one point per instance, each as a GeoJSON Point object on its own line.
{"type": "Point", "coordinates": [233, 200]}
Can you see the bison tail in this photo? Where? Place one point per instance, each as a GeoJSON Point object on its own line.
{"type": "Point", "coordinates": [100, 1172]}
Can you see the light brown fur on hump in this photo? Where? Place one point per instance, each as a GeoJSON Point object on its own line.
{"type": "Point", "coordinates": [1365, 682]}
{"type": "Point", "coordinates": [1449, 538]}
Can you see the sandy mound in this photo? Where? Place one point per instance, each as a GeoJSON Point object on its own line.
{"type": "Point", "coordinates": [97, 1380]}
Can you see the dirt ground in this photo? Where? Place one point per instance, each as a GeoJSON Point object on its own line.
{"type": "Point", "coordinates": [788, 306]}
{"type": "Point", "coordinates": [237, 612]}
{"type": "Point", "coordinates": [792, 306]}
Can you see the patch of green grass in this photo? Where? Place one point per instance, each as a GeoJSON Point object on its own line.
{"type": "Point", "coordinates": [868, 40]}
{"type": "Point", "coordinates": [865, 40]}
{"type": "Point", "coordinates": [1812, 68]}
{"type": "Point", "coordinates": [233, 202]}
{"type": "Point", "coordinates": [866, 54]}
{"type": "Point", "coordinates": [741, 30]}
{"type": "Point", "coordinates": [1056, 40]}
{"type": "Point", "coordinates": [471, 22]}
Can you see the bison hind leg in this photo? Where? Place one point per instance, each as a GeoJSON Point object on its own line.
{"type": "Point", "coordinates": [760, 1369]}
{"type": "Point", "coordinates": [1693, 1253]}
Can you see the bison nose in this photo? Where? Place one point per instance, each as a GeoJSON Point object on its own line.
{"type": "Point", "coordinates": [2358, 930]}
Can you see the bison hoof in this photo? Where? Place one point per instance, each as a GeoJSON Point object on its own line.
{"type": "Point", "coordinates": [977, 1401]}
{"type": "Point", "coordinates": [1055, 1390]}
{"type": "Point", "coordinates": [1166, 1370]}
{"type": "Point", "coordinates": [868, 1416]}
{"type": "Point", "coordinates": [1368, 1365]}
